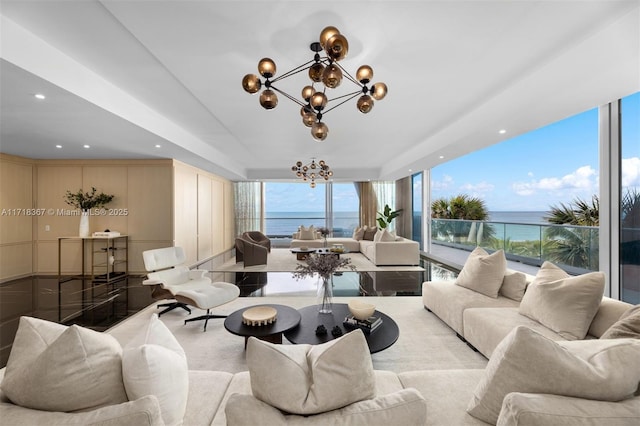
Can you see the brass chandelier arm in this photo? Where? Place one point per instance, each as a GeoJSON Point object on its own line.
{"type": "Point", "coordinates": [350, 96]}
{"type": "Point", "coordinates": [294, 71]}
{"type": "Point", "coordinates": [349, 77]}
{"type": "Point", "coordinates": [288, 96]}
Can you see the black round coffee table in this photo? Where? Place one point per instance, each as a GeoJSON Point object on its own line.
{"type": "Point", "coordinates": [286, 319]}
{"type": "Point", "coordinates": [380, 339]}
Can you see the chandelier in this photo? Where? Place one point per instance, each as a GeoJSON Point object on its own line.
{"type": "Point", "coordinates": [312, 171]}
{"type": "Point", "coordinates": [315, 103]}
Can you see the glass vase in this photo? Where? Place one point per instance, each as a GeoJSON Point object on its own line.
{"type": "Point", "coordinates": [325, 295]}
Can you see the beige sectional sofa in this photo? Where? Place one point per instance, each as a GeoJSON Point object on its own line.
{"type": "Point", "coordinates": [483, 321]}
{"type": "Point", "coordinates": [402, 251]}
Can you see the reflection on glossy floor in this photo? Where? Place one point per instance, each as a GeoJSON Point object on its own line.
{"type": "Point", "coordinates": [100, 306]}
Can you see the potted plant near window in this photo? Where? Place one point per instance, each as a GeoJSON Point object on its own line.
{"type": "Point", "coordinates": [387, 216]}
{"type": "Point", "coordinates": [85, 201]}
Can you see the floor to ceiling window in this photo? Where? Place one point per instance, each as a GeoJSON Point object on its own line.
{"type": "Point", "coordinates": [289, 205]}
{"type": "Point", "coordinates": [344, 203]}
{"type": "Point", "coordinates": [630, 199]}
{"type": "Point", "coordinates": [416, 202]}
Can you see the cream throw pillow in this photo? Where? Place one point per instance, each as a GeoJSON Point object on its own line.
{"type": "Point", "coordinates": [307, 233]}
{"type": "Point", "coordinates": [58, 368]}
{"type": "Point", "coordinates": [311, 379]}
{"type": "Point", "coordinates": [513, 285]}
{"type": "Point", "coordinates": [563, 303]}
{"type": "Point", "coordinates": [483, 272]}
{"type": "Point", "coordinates": [154, 363]}
{"type": "Point", "coordinates": [358, 234]}
{"type": "Point", "coordinates": [528, 362]}
{"type": "Point", "coordinates": [627, 326]}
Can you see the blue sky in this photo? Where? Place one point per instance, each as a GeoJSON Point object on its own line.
{"type": "Point", "coordinates": [531, 172]}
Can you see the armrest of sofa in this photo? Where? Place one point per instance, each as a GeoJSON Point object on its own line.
{"type": "Point", "coordinates": [143, 411]}
{"type": "Point", "coordinates": [529, 409]}
{"type": "Point", "coordinates": [405, 252]}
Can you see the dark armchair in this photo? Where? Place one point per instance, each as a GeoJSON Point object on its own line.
{"type": "Point", "coordinates": [249, 252]}
{"type": "Point", "coordinates": [259, 238]}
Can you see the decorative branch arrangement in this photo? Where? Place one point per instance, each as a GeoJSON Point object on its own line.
{"type": "Point", "coordinates": [87, 200]}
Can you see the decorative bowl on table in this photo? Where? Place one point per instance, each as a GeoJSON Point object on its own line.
{"type": "Point", "coordinates": [304, 248]}
{"type": "Point", "coordinates": [361, 310]}
{"type": "Point", "coordinates": [337, 248]}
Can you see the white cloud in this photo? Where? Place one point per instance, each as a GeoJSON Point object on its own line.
{"type": "Point", "coordinates": [478, 187]}
{"type": "Point", "coordinates": [584, 179]}
{"type": "Point", "coordinates": [530, 174]}
{"type": "Point", "coordinates": [631, 172]}
{"type": "Point", "coordinates": [444, 184]}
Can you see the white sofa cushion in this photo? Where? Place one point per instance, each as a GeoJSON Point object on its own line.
{"type": "Point", "coordinates": [526, 361]}
{"type": "Point", "coordinates": [565, 304]}
{"type": "Point", "coordinates": [58, 368]}
{"type": "Point", "coordinates": [627, 326]}
{"type": "Point", "coordinates": [311, 379]}
{"type": "Point", "coordinates": [483, 272]}
{"type": "Point", "coordinates": [307, 233]}
{"type": "Point", "coordinates": [514, 284]}
{"type": "Point", "coordinates": [154, 363]}
{"type": "Point", "coordinates": [404, 407]}
{"type": "Point", "coordinates": [358, 234]}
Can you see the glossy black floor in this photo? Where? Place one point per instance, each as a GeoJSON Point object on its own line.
{"type": "Point", "coordinates": [101, 306]}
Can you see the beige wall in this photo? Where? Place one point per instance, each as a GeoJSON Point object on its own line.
{"type": "Point", "coordinates": [158, 203]}
{"type": "Point", "coordinates": [203, 213]}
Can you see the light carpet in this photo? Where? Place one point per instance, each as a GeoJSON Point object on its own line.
{"type": "Point", "coordinates": [425, 342]}
{"type": "Point", "coordinates": [282, 260]}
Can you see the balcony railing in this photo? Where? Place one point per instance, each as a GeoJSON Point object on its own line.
{"type": "Point", "coordinates": [575, 248]}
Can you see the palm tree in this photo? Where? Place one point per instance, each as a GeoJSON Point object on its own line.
{"type": "Point", "coordinates": [461, 207]}
{"type": "Point", "coordinates": [574, 246]}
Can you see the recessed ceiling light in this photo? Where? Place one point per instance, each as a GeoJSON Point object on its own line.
{"type": "Point", "coordinates": [58, 146]}
{"type": "Point", "coordinates": [502, 131]}
{"type": "Point", "coordinates": [410, 170]}
{"type": "Point", "coordinates": [39, 96]}
{"type": "Point", "coordinates": [158, 146]}
{"type": "Point", "coordinates": [441, 157]}
{"type": "Point", "coordinates": [86, 146]}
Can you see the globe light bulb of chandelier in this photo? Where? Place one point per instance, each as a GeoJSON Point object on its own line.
{"type": "Point", "coordinates": [322, 163]}
{"type": "Point", "coordinates": [299, 163]}
{"type": "Point", "coordinates": [326, 34]}
{"type": "Point", "coordinates": [326, 177]}
{"type": "Point", "coordinates": [307, 92]}
{"type": "Point", "coordinates": [313, 176]}
{"type": "Point", "coordinates": [268, 99]}
{"type": "Point", "coordinates": [330, 173]}
{"type": "Point", "coordinates": [379, 91]}
{"type": "Point", "coordinates": [294, 168]}
{"type": "Point", "coordinates": [332, 76]}
{"type": "Point", "coordinates": [315, 72]}
{"type": "Point", "coordinates": [337, 47]}
{"type": "Point", "coordinates": [319, 101]}
{"type": "Point", "coordinates": [266, 67]}
{"type": "Point", "coordinates": [313, 184]}
{"type": "Point", "coordinates": [251, 83]}
{"type": "Point", "coordinates": [319, 131]}
{"type": "Point", "coordinates": [364, 74]}
{"type": "Point", "coordinates": [309, 119]}
{"type": "Point", "coordinates": [365, 104]}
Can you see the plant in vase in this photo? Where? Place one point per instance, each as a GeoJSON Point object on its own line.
{"type": "Point", "coordinates": [387, 216]}
{"type": "Point", "coordinates": [324, 232]}
{"type": "Point", "coordinates": [325, 265]}
{"type": "Point", "coordinates": [85, 201]}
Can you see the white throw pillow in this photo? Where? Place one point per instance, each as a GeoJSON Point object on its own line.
{"type": "Point", "coordinates": [483, 272]}
{"type": "Point", "coordinates": [307, 233]}
{"type": "Point", "coordinates": [311, 379]}
{"type": "Point", "coordinates": [514, 285]}
{"type": "Point", "coordinates": [563, 303]}
{"type": "Point", "coordinates": [387, 236]}
{"type": "Point", "coordinates": [358, 234]}
{"type": "Point", "coordinates": [58, 368]}
{"type": "Point", "coordinates": [154, 363]}
{"type": "Point", "coordinates": [528, 362]}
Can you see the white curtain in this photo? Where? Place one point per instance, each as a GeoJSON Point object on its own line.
{"type": "Point", "coordinates": [248, 203]}
{"type": "Point", "coordinates": [385, 194]}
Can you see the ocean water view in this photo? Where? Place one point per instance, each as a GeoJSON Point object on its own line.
{"type": "Point", "coordinates": [286, 223]}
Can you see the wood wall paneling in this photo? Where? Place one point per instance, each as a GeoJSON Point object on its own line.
{"type": "Point", "coordinates": [185, 223]}
{"type": "Point", "coordinates": [206, 212]}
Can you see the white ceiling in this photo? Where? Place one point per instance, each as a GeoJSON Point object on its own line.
{"type": "Point", "coordinates": [123, 76]}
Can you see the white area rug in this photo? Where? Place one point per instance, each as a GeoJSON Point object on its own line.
{"type": "Point", "coordinates": [282, 260]}
{"type": "Point", "coordinates": [425, 342]}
